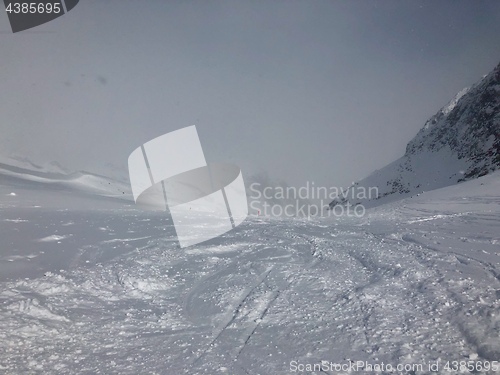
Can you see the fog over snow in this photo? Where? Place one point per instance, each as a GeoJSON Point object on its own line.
{"type": "Point", "coordinates": [318, 91]}
{"type": "Point", "coordinates": [304, 97]}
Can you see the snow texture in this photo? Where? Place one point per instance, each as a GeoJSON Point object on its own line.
{"type": "Point", "coordinates": [90, 284]}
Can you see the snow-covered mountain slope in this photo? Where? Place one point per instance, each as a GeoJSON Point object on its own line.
{"type": "Point", "coordinates": [107, 290]}
{"type": "Point", "coordinates": [53, 174]}
{"type": "Point", "coordinates": [460, 142]}
{"type": "Point", "coordinates": [24, 163]}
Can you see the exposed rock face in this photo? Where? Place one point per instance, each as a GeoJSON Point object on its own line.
{"type": "Point", "coordinates": [460, 142]}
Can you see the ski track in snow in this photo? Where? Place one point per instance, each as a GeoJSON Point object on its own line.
{"type": "Point", "coordinates": [412, 282]}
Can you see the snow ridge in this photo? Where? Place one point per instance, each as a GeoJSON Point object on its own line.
{"type": "Point", "coordinates": [460, 142]}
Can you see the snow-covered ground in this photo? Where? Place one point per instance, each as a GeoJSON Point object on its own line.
{"type": "Point", "coordinates": [92, 285]}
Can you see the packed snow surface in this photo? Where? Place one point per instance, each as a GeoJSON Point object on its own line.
{"type": "Point", "coordinates": [93, 285]}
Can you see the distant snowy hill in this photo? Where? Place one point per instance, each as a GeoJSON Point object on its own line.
{"type": "Point", "coordinates": [20, 169]}
{"type": "Point", "coordinates": [460, 142]}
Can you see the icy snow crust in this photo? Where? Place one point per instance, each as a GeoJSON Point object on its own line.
{"type": "Point", "coordinates": [92, 285]}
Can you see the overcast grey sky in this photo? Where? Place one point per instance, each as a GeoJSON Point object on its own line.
{"type": "Point", "coordinates": [323, 91]}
